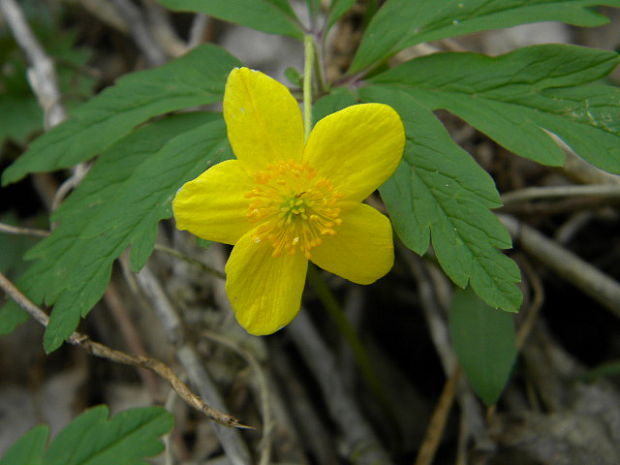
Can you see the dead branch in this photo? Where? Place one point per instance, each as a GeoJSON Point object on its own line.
{"type": "Point", "coordinates": [566, 264]}
{"type": "Point", "coordinates": [103, 351]}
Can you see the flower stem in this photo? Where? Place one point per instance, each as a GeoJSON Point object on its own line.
{"type": "Point", "coordinates": [336, 313]}
{"type": "Point", "coordinates": [309, 53]}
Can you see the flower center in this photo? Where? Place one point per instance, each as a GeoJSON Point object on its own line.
{"type": "Point", "coordinates": [293, 207]}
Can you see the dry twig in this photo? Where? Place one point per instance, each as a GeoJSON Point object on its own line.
{"type": "Point", "coordinates": [363, 445]}
{"type": "Point", "coordinates": [434, 311]}
{"type": "Point", "coordinates": [130, 335]}
{"type": "Point", "coordinates": [436, 425]}
{"type": "Point", "coordinates": [42, 78]}
{"type": "Point", "coordinates": [203, 266]}
{"type": "Point", "coordinates": [235, 448]}
{"type": "Point", "coordinates": [103, 351]}
{"type": "Point", "coordinates": [10, 229]}
{"type": "Point", "coordinates": [140, 32]}
{"type": "Point", "coordinates": [197, 31]}
{"type": "Point", "coordinates": [41, 73]}
{"type": "Point", "coordinates": [162, 29]}
{"type": "Point", "coordinates": [265, 400]}
{"type": "Point", "coordinates": [566, 264]}
{"type": "Point", "coordinates": [537, 193]}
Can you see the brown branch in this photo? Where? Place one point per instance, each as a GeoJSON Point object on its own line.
{"type": "Point", "coordinates": [203, 266]}
{"type": "Point", "coordinates": [140, 32]}
{"type": "Point", "coordinates": [162, 29]}
{"type": "Point", "coordinates": [265, 397]}
{"type": "Point", "coordinates": [44, 83]}
{"type": "Point", "coordinates": [536, 304]}
{"type": "Point", "coordinates": [437, 424]}
{"type": "Point", "coordinates": [598, 285]}
{"type": "Point", "coordinates": [150, 287]}
{"type": "Point", "coordinates": [362, 443]}
{"type": "Point", "coordinates": [130, 334]}
{"type": "Point", "coordinates": [103, 351]}
{"type": "Point", "coordinates": [537, 193]}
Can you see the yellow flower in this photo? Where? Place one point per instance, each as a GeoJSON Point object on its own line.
{"type": "Point", "coordinates": [283, 202]}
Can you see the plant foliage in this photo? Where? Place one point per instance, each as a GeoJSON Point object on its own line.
{"type": "Point", "coordinates": [485, 344]}
{"type": "Point", "coordinates": [128, 438]}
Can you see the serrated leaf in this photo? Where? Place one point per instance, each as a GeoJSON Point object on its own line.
{"type": "Point", "coordinates": [27, 450]}
{"type": "Point", "coordinates": [270, 16]}
{"type": "Point", "coordinates": [439, 193]}
{"type": "Point", "coordinates": [93, 439]}
{"type": "Point", "coordinates": [125, 439]}
{"type": "Point", "coordinates": [402, 23]}
{"type": "Point", "coordinates": [517, 97]}
{"type": "Point", "coordinates": [337, 9]}
{"type": "Point", "coordinates": [197, 78]}
{"type": "Point", "coordinates": [126, 193]}
{"type": "Point", "coordinates": [485, 343]}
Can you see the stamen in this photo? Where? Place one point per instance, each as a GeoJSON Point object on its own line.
{"type": "Point", "coordinates": [293, 207]}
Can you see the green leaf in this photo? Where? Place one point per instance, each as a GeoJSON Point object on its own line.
{"type": "Point", "coordinates": [338, 99]}
{"type": "Point", "coordinates": [29, 449]}
{"type": "Point", "coordinates": [337, 9]}
{"type": "Point", "coordinates": [294, 76]}
{"type": "Point", "coordinates": [125, 439]}
{"type": "Point", "coordinates": [270, 16]}
{"type": "Point", "coordinates": [517, 98]}
{"type": "Point", "coordinates": [91, 439]}
{"type": "Point", "coordinates": [485, 344]}
{"type": "Point", "coordinates": [285, 6]}
{"type": "Point", "coordinates": [205, 244]}
{"type": "Point", "coordinates": [126, 193]}
{"type": "Point", "coordinates": [439, 193]}
{"type": "Point", "coordinates": [197, 78]}
{"type": "Point", "coordinates": [402, 23]}
{"type": "Point", "coordinates": [142, 245]}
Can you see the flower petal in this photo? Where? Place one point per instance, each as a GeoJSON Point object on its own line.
{"type": "Point", "coordinates": [362, 250]}
{"type": "Point", "coordinates": [213, 206]}
{"type": "Point", "coordinates": [263, 119]}
{"type": "Point", "coordinates": [264, 291]}
{"type": "Point", "coordinates": [357, 148]}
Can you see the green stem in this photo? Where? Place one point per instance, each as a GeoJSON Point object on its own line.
{"type": "Point", "coordinates": [336, 313]}
{"type": "Point", "coordinates": [309, 53]}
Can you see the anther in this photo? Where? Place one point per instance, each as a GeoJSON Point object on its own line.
{"type": "Point", "coordinates": [293, 208]}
